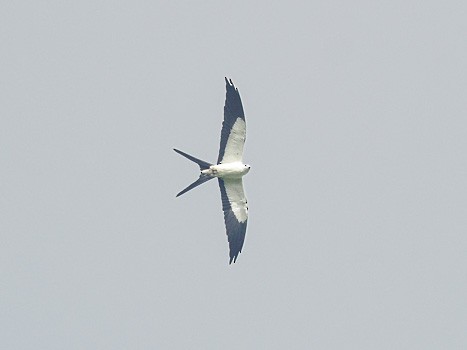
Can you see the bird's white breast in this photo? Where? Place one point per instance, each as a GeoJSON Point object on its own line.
{"type": "Point", "coordinates": [233, 170]}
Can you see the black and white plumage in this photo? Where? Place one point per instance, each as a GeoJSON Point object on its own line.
{"type": "Point", "coordinates": [229, 171]}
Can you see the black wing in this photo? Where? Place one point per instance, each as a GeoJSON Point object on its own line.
{"type": "Point", "coordinates": [233, 132]}
{"type": "Point", "coordinates": [235, 207]}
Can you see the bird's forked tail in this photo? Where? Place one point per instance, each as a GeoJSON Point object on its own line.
{"type": "Point", "coordinates": [202, 177]}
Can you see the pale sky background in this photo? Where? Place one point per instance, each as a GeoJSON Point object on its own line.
{"type": "Point", "coordinates": [356, 133]}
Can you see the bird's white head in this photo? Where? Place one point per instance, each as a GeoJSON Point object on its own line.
{"type": "Point", "coordinates": [247, 168]}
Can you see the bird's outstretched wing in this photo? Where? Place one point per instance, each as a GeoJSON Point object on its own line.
{"type": "Point", "coordinates": [235, 207]}
{"type": "Point", "coordinates": [233, 132]}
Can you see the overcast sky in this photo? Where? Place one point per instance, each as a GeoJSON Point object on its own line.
{"type": "Point", "coordinates": [357, 137]}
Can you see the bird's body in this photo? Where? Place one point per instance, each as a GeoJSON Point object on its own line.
{"type": "Point", "coordinates": [234, 170]}
{"type": "Point", "coordinates": [229, 170]}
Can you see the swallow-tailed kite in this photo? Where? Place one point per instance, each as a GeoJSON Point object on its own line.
{"type": "Point", "coordinates": [229, 170]}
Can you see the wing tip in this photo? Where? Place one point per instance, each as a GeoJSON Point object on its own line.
{"type": "Point", "coordinates": [234, 258]}
{"type": "Point", "coordinates": [229, 82]}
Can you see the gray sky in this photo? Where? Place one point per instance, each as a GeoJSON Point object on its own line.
{"type": "Point", "coordinates": [357, 137]}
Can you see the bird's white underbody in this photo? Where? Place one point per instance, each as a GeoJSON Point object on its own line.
{"type": "Point", "coordinates": [234, 170]}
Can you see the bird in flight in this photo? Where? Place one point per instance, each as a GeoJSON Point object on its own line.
{"type": "Point", "coordinates": [229, 170]}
